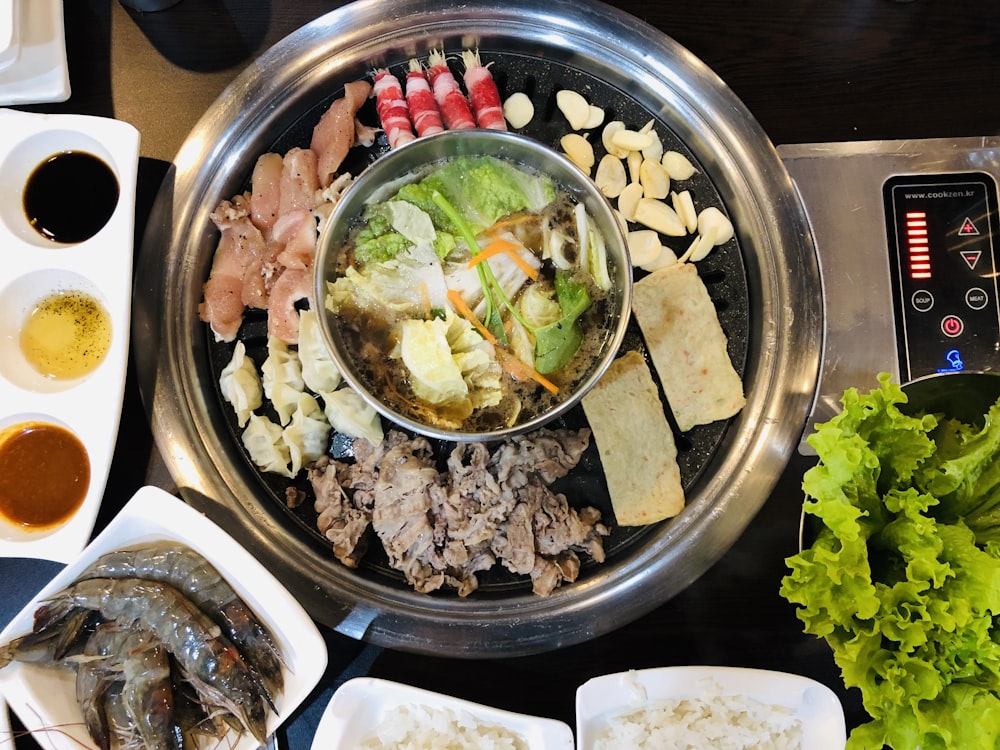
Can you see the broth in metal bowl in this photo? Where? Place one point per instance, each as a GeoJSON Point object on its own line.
{"type": "Point", "coordinates": [476, 284]}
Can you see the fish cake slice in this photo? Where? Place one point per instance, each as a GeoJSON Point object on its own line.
{"type": "Point", "coordinates": [635, 443]}
{"type": "Point", "coordinates": [687, 346]}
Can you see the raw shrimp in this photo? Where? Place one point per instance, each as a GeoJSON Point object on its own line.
{"type": "Point", "coordinates": [483, 93]}
{"type": "Point", "coordinates": [206, 657]}
{"type": "Point", "coordinates": [451, 101]}
{"type": "Point", "coordinates": [148, 691]}
{"type": "Point", "coordinates": [63, 637]}
{"type": "Point", "coordinates": [391, 107]}
{"type": "Point", "coordinates": [195, 577]}
{"type": "Point", "coordinates": [424, 110]}
{"type": "Point", "coordinates": [137, 667]}
{"type": "Point", "coordinates": [119, 722]}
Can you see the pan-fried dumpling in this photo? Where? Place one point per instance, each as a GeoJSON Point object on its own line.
{"type": "Point", "coordinates": [263, 440]}
{"type": "Point", "coordinates": [319, 372]}
{"type": "Point", "coordinates": [350, 414]}
{"type": "Point", "coordinates": [283, 382]}
{"type": "Point", "coordinates": [240, 384]}
{"type": "Point", "coordinates": [307, 434]}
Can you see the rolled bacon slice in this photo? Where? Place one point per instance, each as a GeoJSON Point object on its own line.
{"type": "Point", "coordinates": [390, 104]}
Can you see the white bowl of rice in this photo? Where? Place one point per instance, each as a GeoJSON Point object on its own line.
{"type": "Point", "coordinates": [723, 708]}
{"type": "Point", "coordinates": [367, 713]}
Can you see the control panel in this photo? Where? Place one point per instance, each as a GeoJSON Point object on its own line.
{"type": "Point", "coordinates": [942, 230]}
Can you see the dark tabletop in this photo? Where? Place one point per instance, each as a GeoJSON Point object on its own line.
{"type": "Point", "coordinates": [809, 70]}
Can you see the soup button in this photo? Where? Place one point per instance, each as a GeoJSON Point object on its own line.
{"type": "Point", "coordinates": [952, 326]}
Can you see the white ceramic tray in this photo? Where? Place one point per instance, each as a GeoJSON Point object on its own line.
{"type": "Point", "coordinates": [359, 705]}
{"type": "Point", "coordinates": [35, 267]}
{"type": "Point", "coordinates": [43, 698]}
{"type": "Point", "coordinates": [818, 709]}
{"type": "Point", "coordinates": [10, 41]}
{"type": "Point", "coordinates": [33, 66]}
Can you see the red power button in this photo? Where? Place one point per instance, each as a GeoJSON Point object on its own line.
{"type": "Point", "coordinates": [952, 326]}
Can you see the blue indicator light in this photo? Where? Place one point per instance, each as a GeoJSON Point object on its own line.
{"type": "Point", "coordinates": [954, 359]}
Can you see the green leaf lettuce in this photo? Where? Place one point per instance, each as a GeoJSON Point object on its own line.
{"type": "Point", "coordinates": [903, 577]}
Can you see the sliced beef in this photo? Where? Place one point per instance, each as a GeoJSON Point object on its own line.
{"type": "Point", "coordinates": [442, 527]}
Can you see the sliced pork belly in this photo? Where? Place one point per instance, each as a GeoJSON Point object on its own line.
{"type": "Point", "coordinates": [336, 130]}
{"type": "Point", "coordinates": [265, 191]}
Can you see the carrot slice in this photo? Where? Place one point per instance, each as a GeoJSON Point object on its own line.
{"type": "Point", "coordinates": [521, 371]}
{"type": "Point", "coordinates": [463, 309]}
{"type": "Point", "coordinates": [496, 247]}
{"type": "Point", "coordinates": [510, 221]}
{"type": "Point", "coordinates": [504, 246]}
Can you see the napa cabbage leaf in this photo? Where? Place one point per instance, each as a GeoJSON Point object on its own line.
{"type": "Point", "coordinates": [451, 366]}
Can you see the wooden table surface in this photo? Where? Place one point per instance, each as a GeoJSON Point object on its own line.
{"type": "Point", "coordinates": [809, 70]}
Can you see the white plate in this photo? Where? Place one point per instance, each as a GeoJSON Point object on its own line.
{"type": "Point", "coordinates": [5, 731]}
{"type": "Point", "coordinates": [816, 706]}
{"type": "Point", "coordinates": [35, 267]}
{"type": "Point", "coordinates": [43, 698]}
{"type": "Point", "coordinates": [10, 42]}
{"type": "Point", "coordinates": [361, 704]}
{"type": "Point", "coordinates": [38, 72]}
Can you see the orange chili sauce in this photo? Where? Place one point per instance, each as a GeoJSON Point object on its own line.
{"type": "Point", "coordinates": [44, 475]}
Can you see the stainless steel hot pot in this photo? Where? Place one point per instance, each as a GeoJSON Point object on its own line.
{"type": "Point", "coordinates": [780, 337]}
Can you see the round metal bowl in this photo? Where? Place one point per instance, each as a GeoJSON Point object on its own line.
{"type": "Point", "coordinates": [965, 396]}
{"type": "Point", "coordinates": [410, 162]}
{"type": "Point", "coordinates": [590, 46]}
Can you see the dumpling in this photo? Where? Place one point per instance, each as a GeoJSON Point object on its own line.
{"type": "Point", "coordinates": [240, 384]}
{"type": "Point", "coordinates": [351, 415]}
{"type": "Point", "coordinates": [263, 440]}
{"type": "Point", "coordinates": [319, 371]}
{"type": "Point", "coordinates": [307, 434]}
{"type": "Point", "coordinates": [282, 379]}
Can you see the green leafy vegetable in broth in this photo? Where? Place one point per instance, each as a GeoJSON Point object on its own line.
{"type": "Point", "coordinates": [556, 342]}
{"type": "Point", "coordinates": [903, 578]}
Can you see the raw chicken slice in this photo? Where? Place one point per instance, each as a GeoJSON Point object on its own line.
{"type": "Point", "coordinates": [265, 191]}
{"type": "Point", "coordinates": [291, 286]}
{"type": "Point", "coordinates": [236, 280]}
{"type": "Point", "coordinates": [335, 132]}
{"type": "Point", "coordinates": [223, 306]}
{"type": "Point", "coordinates": [296, 232]}
{"type": "Point", "coordinates": [299, 181]}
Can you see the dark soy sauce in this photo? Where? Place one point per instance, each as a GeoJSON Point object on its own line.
{"type": "Point", "coordinates": [70, 196]}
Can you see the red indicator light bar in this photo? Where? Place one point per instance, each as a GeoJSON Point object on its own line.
{"type": "Point", "coordinates": [916, 239]}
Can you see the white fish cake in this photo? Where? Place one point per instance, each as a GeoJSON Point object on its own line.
{"type": "Point", "coordinates": [635, 443]}
{"type": "Point", "coordinates": [687, 346]}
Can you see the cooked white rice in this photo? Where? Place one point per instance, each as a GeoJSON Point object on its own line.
{"type": "Point", "coordinates": [716, 721]}
{"type": "Point", "coordinates": [418, 727]}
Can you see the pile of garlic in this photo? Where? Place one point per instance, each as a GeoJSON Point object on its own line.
{"type": "Point", "coordinates": [638, 173]}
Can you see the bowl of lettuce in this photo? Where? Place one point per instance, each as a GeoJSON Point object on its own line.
{"type": "Point", "coordinates": [901, 572]}
{"type": "Point", "coordinates": [474, 284]}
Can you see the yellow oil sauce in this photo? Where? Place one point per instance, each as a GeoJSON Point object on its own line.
{"type": "Point", "coordinates": [67, 335]}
